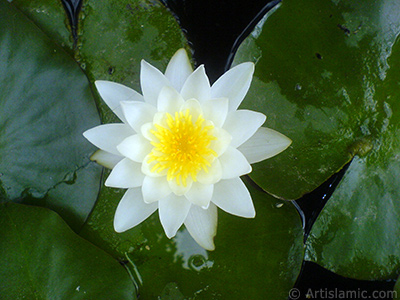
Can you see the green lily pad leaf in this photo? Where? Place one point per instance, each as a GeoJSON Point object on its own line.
{"type": "Point", "coordinates": [43, 259]}
{"type": "Point", "coordinates": [260, 258]}
{"type": "Point", "coordinates": [50, 17]}
{"type": "Point", "coordinates": [46, 104]}
{"type": "Point", "coordinates": [322, 78]}
{"type": "Point", "coordinates": [117, 35]}
{"type": "Point", "coordinates": [358, 233]}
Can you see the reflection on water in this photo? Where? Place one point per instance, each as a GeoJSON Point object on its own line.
{"type": "Point", "coordinates": [192, 256]}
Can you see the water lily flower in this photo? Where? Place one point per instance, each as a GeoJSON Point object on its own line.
{"type": "Point", "coordinates": [182, 147]}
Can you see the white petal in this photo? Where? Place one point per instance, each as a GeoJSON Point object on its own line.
{"type": "Point", "coordinates": [160, 118]}
{"type": "Point", "coordinates": [108, 136]}
{"type": "Point", "coordinates": [234, 84]}
{"type": "Point", "coordinates": [197, 86]}
{"type": "Point", "coordinates": [126, 174]}
{"type": "Point", "coordinates": [151, 81]}
{"type": "Point", "coordinates": [173, 211]}
{"type": "Point", "coordinates": [216, 110]}
{"type": "Point", "coordinates": [222, 141]}
{"type": "Point", "coordinates": [138, 113]}
{"type": "Point", "coordinates": [264, 144]}
{"type": "Point", "coordinates": [135, 147]}
{"type": "Point", "coordinates": [213, 175]}
{"type": "Point", "coordinates": [180, 189]}
{"type": "Point", "coordinates": [194, 108]}
{"type": "Point", "coordinates": [179, 68]}
{"type": "Point", "coordinates": [242, 124]}
{"type": "Point", "coordinates": [106, 159]}
{"type": "Point", "coordinates": [155, 189]}
{"type": "Point", "coordinates": [234, 164]}
{"type": "Point", "coordinates": [200, 194]}
{"type": "Point", "coordinates": [202, 225]}
{"type": "Point", "coordinates": [132, 210]}
{"type": "Point", "coordinates": [113, 93]}
{"type": "Point", "coordinates": [169, 100]}
{"type": "Point", "coordinates": [145, 130]}
{"type": "Point", "coordinates": [232, 196]}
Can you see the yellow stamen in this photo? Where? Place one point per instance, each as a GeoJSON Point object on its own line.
{"type": "Point", "coordinates": [183, 147]}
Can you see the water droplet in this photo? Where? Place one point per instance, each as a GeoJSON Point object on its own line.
{"type": "Point", "coordinates": [197, 262]}
{"type": "Point", "coordinates": [70, 178]}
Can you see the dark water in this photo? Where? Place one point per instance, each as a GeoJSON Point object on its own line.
{"type": "Point", "coordinates": [215, 28]}
{"type": "Point", "coordinates": [72, 7]}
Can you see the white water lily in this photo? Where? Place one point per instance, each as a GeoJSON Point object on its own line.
{"type": "Point", "coordinates": [182, 147]}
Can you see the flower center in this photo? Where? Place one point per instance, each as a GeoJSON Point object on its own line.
{"type": "Point", "coordinates": [183, 147]}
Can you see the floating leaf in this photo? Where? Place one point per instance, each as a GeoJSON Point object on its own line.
{"type": "Point", "coordinates": [357, 233]}
{"type": "Point", "coordinates": [46, 104]}
{"type": "Point", "coordinates": [323, 78]}
{"type": "Point", "coordinates": [50, 17]}
{"type": "Point", "coordinates": [43, 259]}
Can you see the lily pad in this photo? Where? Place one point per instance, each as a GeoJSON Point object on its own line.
{"type": "Point", "coordinates": [46, 104]}
{"type": "Point", "coordinates": [323, 78]}
{"type": "Point", "coordinates": [358, 233]}
{"type": "Point", "coordinates": [328, 78]}
{"type": "Point", "coordinates": [116, 35]}
{"type": "Point", "coordinates": [50, 17]}
{"type": "Point", "coordinates": [260, 258]}
{"type": "Point", "coordinates": [43, 259]}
